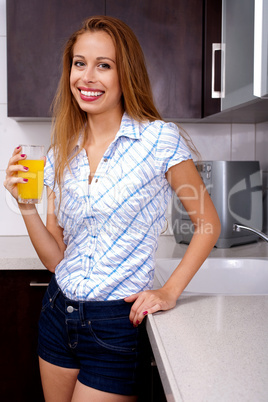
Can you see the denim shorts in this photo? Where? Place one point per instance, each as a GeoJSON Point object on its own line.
{"type": "Point", "coordinates": [95, 337]}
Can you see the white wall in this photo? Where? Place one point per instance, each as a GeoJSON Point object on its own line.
{"type": "Point", "coordinates": [214, 141]}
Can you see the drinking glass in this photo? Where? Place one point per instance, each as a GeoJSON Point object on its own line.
{"type": "Point", "coordinates": [31, 192]}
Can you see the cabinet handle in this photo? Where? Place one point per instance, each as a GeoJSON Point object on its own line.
{"type": "Point", "coordinates": [38, 284]}
{"type": "Point", "coordinates": [218, 47]}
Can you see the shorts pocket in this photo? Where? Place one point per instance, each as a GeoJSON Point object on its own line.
{"type": "Point", "coordinates": [49, 299]}
{"type": "Point", "coordinates": [116, 334]}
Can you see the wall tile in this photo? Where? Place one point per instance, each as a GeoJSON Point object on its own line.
{"type": "Point", "coordinates": [243, 142]}
{"type": "Point", "coordinates": [262, 144]}
{"type": "Point", "coordinates": [3, 70]}
{"type": "Point", "coordinates": [2, 18]}
{"type": "Point", "coordinates": [213, 141]}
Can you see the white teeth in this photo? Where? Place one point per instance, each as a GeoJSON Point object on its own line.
{"type": "Point", "coordinates": [90, 93]}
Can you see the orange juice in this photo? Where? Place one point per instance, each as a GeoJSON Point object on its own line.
{"type": "Point", "coordinates": [31, 192]}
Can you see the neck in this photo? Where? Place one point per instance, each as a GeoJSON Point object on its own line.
{"type": "Point", "coordinates": [103, 128]}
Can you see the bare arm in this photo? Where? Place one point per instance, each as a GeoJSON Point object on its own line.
{"type": "Point", "coordinates": [188, 185]}
{"type": "Point", "coordinates": [47, 241]}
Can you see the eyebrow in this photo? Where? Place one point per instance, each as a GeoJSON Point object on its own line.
{"type": "Point", "coordinates": [98, 58]}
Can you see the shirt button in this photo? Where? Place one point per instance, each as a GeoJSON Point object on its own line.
{"type": "Point", "coordinates": [105, 160]}
{"type": "Point", "coordinates": [96, 181]}
{"type": "Point", "coordinates": [70, 309]}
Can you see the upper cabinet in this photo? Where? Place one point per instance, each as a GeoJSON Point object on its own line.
{"type": "Point", "coordinates": [188, 46]}
{"type": "Point", "coordinates": [244, 62]}
{"type": "Point", "coordinates": [238, 52]}
{"type": "Point", "coordinates": [170, 33]}
{"type": "Point", "coordinates": [36, 34]}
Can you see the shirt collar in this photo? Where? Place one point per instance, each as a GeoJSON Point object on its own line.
{"type": "Point", "coordinates": [128, 128]}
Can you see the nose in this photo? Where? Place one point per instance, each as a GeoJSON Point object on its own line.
{"type": "Point", "coordinates": [89, 75]}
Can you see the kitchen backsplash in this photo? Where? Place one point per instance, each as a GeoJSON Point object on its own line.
{"type": "Point", "coordinates": [213, 141]}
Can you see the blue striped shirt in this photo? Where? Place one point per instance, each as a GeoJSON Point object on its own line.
{"type": "Point", "coordinates": [111, 226]}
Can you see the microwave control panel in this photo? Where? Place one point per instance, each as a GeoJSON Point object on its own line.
{"type": "Point", "coordinates": [205, 171]}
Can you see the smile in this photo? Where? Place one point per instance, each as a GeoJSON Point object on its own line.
{"type": "Point", "coordinates": [90, 93]}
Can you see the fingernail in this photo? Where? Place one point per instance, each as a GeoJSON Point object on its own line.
{"type": "Point", "coordinates": [25, 168]}
{"type": "Point", "coordinates": [23, 155]}
{"type": "Point", "coordinates": [145, 313]}
{"type": "Point", "coordinates": [18, 147]}
{"type": "Point", "coordinates": [137, 322]}
{"type": "Point", "coordinates": [25, 180]}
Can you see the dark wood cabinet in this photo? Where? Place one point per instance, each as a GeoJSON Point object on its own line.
{"type": "Point", "coordinates": [20, 298]}
{"type": "Point", "coordinates": [171, 33]}
{"type": "Point", "coordinates": [36, 34]}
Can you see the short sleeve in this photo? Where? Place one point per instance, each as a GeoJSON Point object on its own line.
{"type": "Point", "coordinates": [49, 172]}
{"type": "Point", "coordinates": [171, 148]}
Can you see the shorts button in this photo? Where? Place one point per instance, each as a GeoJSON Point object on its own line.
{"type": "Point", "coordinates": [70, 309]}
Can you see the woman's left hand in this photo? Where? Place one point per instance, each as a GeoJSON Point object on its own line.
{"type": "Point", "coordinates": [148, 302]}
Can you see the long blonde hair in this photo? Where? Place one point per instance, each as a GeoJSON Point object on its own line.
{"type": "Point", "coordinates": [69, 121]}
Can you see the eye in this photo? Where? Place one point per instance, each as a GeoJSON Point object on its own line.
{"type": "Point", "coordinates": [79, 63]}
{"type": "Point", "coordinates": [104, 66]}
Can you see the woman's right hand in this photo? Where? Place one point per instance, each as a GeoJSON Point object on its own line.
{"type": "Point", "coordinates": [12, 170]}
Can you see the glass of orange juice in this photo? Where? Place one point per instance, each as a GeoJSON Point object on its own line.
{"type": "Point", "coordinates": [31, 191]}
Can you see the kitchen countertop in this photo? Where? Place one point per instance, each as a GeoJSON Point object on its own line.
{"type": "Point", "coordinates": [17, 252]}
{"type": "Point", "coordinates": [208, 348]}
{"type": "Point", "coordinates": [212, 348]}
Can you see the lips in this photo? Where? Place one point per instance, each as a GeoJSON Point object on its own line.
{"type": "Point", "coordinates": [90, 94]}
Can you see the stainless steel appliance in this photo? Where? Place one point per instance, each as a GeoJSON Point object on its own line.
{"type": "Point", "coordinates": [235, 188]}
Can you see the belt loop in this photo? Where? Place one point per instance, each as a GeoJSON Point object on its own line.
{"type": "Point", "coordinates": [53, 298]}
{"type": "Point", "coordinates": [81, 313]}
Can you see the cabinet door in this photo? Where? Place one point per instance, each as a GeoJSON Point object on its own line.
{"type": "Point", "coordinates": [238, 38]}
{"type": "Point", "coordinates": [212, 57]}
{"type": "Point", "coordinates": [36, 34]}
{"type": "Point", "coordinates": [20, 308]}
{"type": "Point", "coordinates": [170, 33]}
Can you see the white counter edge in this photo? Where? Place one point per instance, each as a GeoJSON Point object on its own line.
{"type": "Point", "coordinates": [166, 374]}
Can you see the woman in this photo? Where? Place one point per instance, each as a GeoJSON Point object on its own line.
{"type": "Point", "coordinates": [109, 174]}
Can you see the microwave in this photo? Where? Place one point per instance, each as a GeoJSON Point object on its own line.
{"type": "Point", "coordinates": [235, 188]}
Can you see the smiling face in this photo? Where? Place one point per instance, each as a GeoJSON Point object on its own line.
{"type": "Point", "coordinates": [94, 80]}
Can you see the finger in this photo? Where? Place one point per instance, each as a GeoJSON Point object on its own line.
{"type": "Point", "coordinates": [135, 309]}
{"type": "Point", "coordinates": [132, 298]}
{"type": "Point", "coordinates": [12, 169]}
{"type": "Point", "coordinates": [14, 180]}
{"type": "Point", "coordinates": [137, 320]}
{"type": "Point", "coordinates": [15, 158]}
{"type": "Point", "coordinates": [150, 303]}
{"type": "Point", "coordinates": [16, 150]}
{"type": "Point", "coordinates": [151, 310]}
